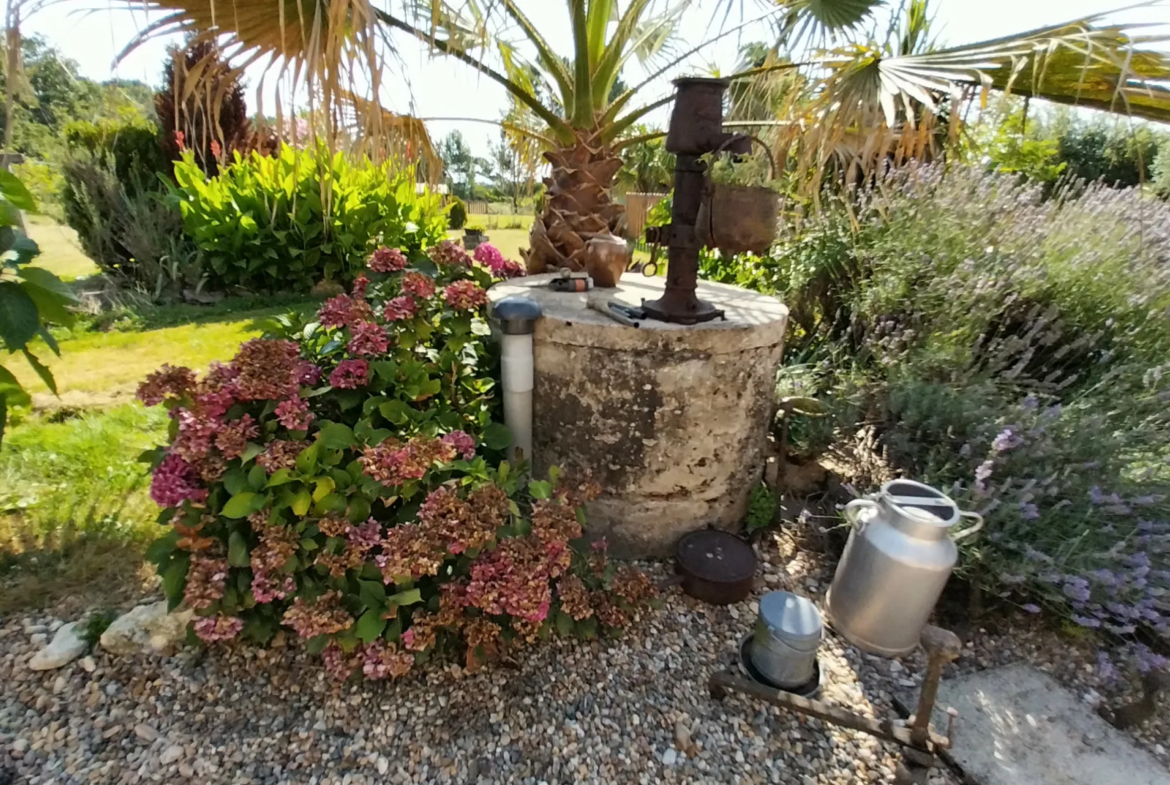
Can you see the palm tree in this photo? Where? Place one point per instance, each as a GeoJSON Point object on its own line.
{"type": "Point", "coordinates": [879, 96]}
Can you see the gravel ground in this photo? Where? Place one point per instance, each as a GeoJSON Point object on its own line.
{"type": "Point", "coordinates": [626, 711]}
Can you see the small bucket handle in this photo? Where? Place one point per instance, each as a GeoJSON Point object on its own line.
{"type": "Point", "coordinates": [970, 529]}
{"type": "Point", "coordinates": [852, 511]}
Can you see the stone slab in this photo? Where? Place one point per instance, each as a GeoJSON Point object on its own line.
{"type": "Point", "coordinates": [1018, 726]}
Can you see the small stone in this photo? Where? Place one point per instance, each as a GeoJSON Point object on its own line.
{"type": "Point", "coordinates": [383, 765]}
{"type": "Point", "coordinates": [19, 747]}
{"type": "Point", "coordinates": [67, 646]}
{"type": "Point", "coordinates": [145, 732]}
{"type": "Point", "coordinates": [172, 754]}
{"type": "Point", "coordinates": [147, 628]}
{"type": "Point", "coordinates": [682, 735]}
{"type": "Point", "coordinates": [186, 770]}
{"type": "Point", "coordinates": [88, 665]}
{"type": "Point", "coordinates": [38, 639]}
{"type": "Point", "coordinates": [670, 757]}
{"type": "Point", "coordinates": [60, 685]}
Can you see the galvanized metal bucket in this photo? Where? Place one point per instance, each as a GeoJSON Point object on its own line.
{"type": "Point", "coordinates": [786, 638]}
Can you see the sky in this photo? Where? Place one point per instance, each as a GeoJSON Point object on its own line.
{"type": "Point", "coordinates": [441, 88]}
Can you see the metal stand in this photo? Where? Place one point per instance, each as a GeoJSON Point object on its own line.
{"type": "Point", "coordinates": [696, 128]}
{"type": "Point", "coordinates": [919, 741]}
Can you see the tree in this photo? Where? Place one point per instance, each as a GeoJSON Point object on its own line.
{"type": "Point", "coordinates": [459, 165]}
{"type": "Point", "coordinates": [511, 175]}
{"type": "Point", "coordinates": [201, 106]}
{"type": "Point", "coordinates": [883, 96]}
{"type": "Point", "coordinates": [646, 165]}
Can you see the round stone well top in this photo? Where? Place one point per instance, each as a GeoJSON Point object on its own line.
{"type": "Point", "coordinates": [753, 320]}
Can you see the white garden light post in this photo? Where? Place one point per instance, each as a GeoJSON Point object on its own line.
{"type": "Point", "coordinates": [517, 317]}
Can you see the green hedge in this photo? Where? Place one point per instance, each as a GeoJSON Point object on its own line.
{"type": "Point", "coordinates": [288, 222]}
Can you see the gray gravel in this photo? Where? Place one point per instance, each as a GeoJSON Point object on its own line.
{"type": "Point", "coordinates": [635, 710]}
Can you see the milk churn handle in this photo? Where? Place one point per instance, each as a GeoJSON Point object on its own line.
{"type": "Point", "coordinates": [970, 529]}
{"type": "Point", "coordinates": [852, 511]}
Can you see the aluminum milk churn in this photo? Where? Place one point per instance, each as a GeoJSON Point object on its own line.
{"type": "Point", "coordinates": [899, 556]}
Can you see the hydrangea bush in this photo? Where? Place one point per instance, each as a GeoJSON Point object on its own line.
{"type": "Point", "coordinates": [339, 479]}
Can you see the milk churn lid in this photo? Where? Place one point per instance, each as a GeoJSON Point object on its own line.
{"type": "Point", "coordinates": [921, 503]}
{"type": "Point", "coordinates": [790, 617]}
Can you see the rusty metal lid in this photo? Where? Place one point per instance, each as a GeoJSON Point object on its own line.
{"type": "Point", "coordinates": [716, 556]}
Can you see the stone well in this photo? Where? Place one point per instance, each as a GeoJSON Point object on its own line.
{"type": "Point", "coordinates": [672, 420]}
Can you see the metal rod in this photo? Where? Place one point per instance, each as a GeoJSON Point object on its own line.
{"type": "Point", "coordinates": [942, 646]}
{"type": "Point", "coordinates": [883, 729]}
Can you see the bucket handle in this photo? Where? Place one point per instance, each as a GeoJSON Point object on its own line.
{"type": "Point", "coordinates": [970, 529]}
{"type": "Point", "coordinates": [852, 511]}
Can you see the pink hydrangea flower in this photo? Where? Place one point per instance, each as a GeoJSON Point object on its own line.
{"type": "Point", "coordinates": [418, 285]}
{"type": "Point", "coordinates": [462, 442]}
{"type": "Point", "coordinates": [218, 628]}
{"type": "Point", "coordinates": [449, 254]}
{"type": "Point", "coordinates": [266, 588]}
{"type": "Point", "coordinates": [465, 296]}
{"type": "Point", "coordinates": [343, 310]}
{"type": "Point", "coordinates": [489, 256]}
{"type": "Point", "coordinates": [387, 260]}
{"type": "Point", "coordinates": [350, 374]}
{"type": "Point", "coordinates": [308, 374]}
{"type": "Point", "coordinates": [369, 340]}
{"type": "Point", "coordinates": [174, 482]}
{"type": "Point", "coordinates": [400, 308]}
{"type": "Point", "coordinates": [166, 381]}
{"type": "Point", "coordinates": [294, 414]}
{"type": "Point", "coordinates": [360, 284]}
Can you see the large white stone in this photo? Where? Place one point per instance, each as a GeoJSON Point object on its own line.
{"type": "Point", "coordinates": [67, 646]}
{"type": "Point", "coordinates": [147, 628]}
{"type": "Point", "coordinates": [672, 420]}
{"type": "Point", "coordinates": [1018, 726]}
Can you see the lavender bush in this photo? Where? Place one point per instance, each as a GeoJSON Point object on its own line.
{"type": "Point", "coordinates": [1016, 351]}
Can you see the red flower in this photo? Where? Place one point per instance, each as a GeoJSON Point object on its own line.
{"type": "Point", "coordinates": [166, 381]}
{"type": "Point", "coordinates": [400, 308]}
{"type": "Point", "coordinates": [418, 285]}
{"type": "Point", "coordinates": [343, 310]}
{"type": "Point", "coordinates": [350, 374]}
{"type": "Point", "coordinates": [369, 340]}
{"type": "Point", "coordinates": [387, 260]}
{"type": "Point", "coordinates": [465, 296]}
{"type": "Point", "coordinates": [294, 414]}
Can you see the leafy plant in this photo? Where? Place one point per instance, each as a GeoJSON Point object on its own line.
{"type": "Point", "coordinates": [341, 479]}
{"type": "Point", "coordinates": [741, 170]}
{"type": "Point", "coordinates": [30, 297]}
{"type": "Point", "coordinates": [288, 222]}
{"type": "Point", "coordinates": [761, 509]}
{"type": "Point", "coordinates": [456, 213]}
{"type": "Point", "coordinates": [1007, 345]}
{"type": "Point", "coordinates": [129, 228]}
{"type": "Point", "coordinates": [96, 623]}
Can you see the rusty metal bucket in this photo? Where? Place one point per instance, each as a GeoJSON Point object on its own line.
{"type": "Point", "coordinates": [738, 218]}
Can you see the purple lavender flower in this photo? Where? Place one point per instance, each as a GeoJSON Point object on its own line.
{"type": "Point", "coordinates": [1007, 440]}
{"type": "Point", "coordinates": [1086, 621]}
{"type": "Point", "coordinates": [1028, 511]}
{"type": "Point", "coordinates": [1031, 607]}
{"type": "Point", "coordinates": [1105, 668]}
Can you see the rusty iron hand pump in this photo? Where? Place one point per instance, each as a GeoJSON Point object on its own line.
{"type": "Point", "coordinates": [696, 128]}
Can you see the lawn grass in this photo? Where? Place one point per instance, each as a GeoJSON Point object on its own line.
{"type": "Point", "coordinates": [75, 514]}
{"type": "Point", "coordinates": [104, 367]}
{"type": "Point", "coordinates": [61, 253]}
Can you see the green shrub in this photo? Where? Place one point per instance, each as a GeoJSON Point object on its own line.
{"type": "Point", "coordinates": [132, 232]}
{"type": "Point", "coordinates": [456, 214]}
{"type": "Point", "coordinates": [130, 148]}
{"type": "Point", "coordinates": [1010, 346]}
{"type": "Point", "coordinates": [289, 222]}
{"type": "Point", "coordinates": [335, 480]}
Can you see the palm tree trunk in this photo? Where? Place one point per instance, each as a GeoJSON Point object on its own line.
{"type": "Point", "coordinates": [578, 206]}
